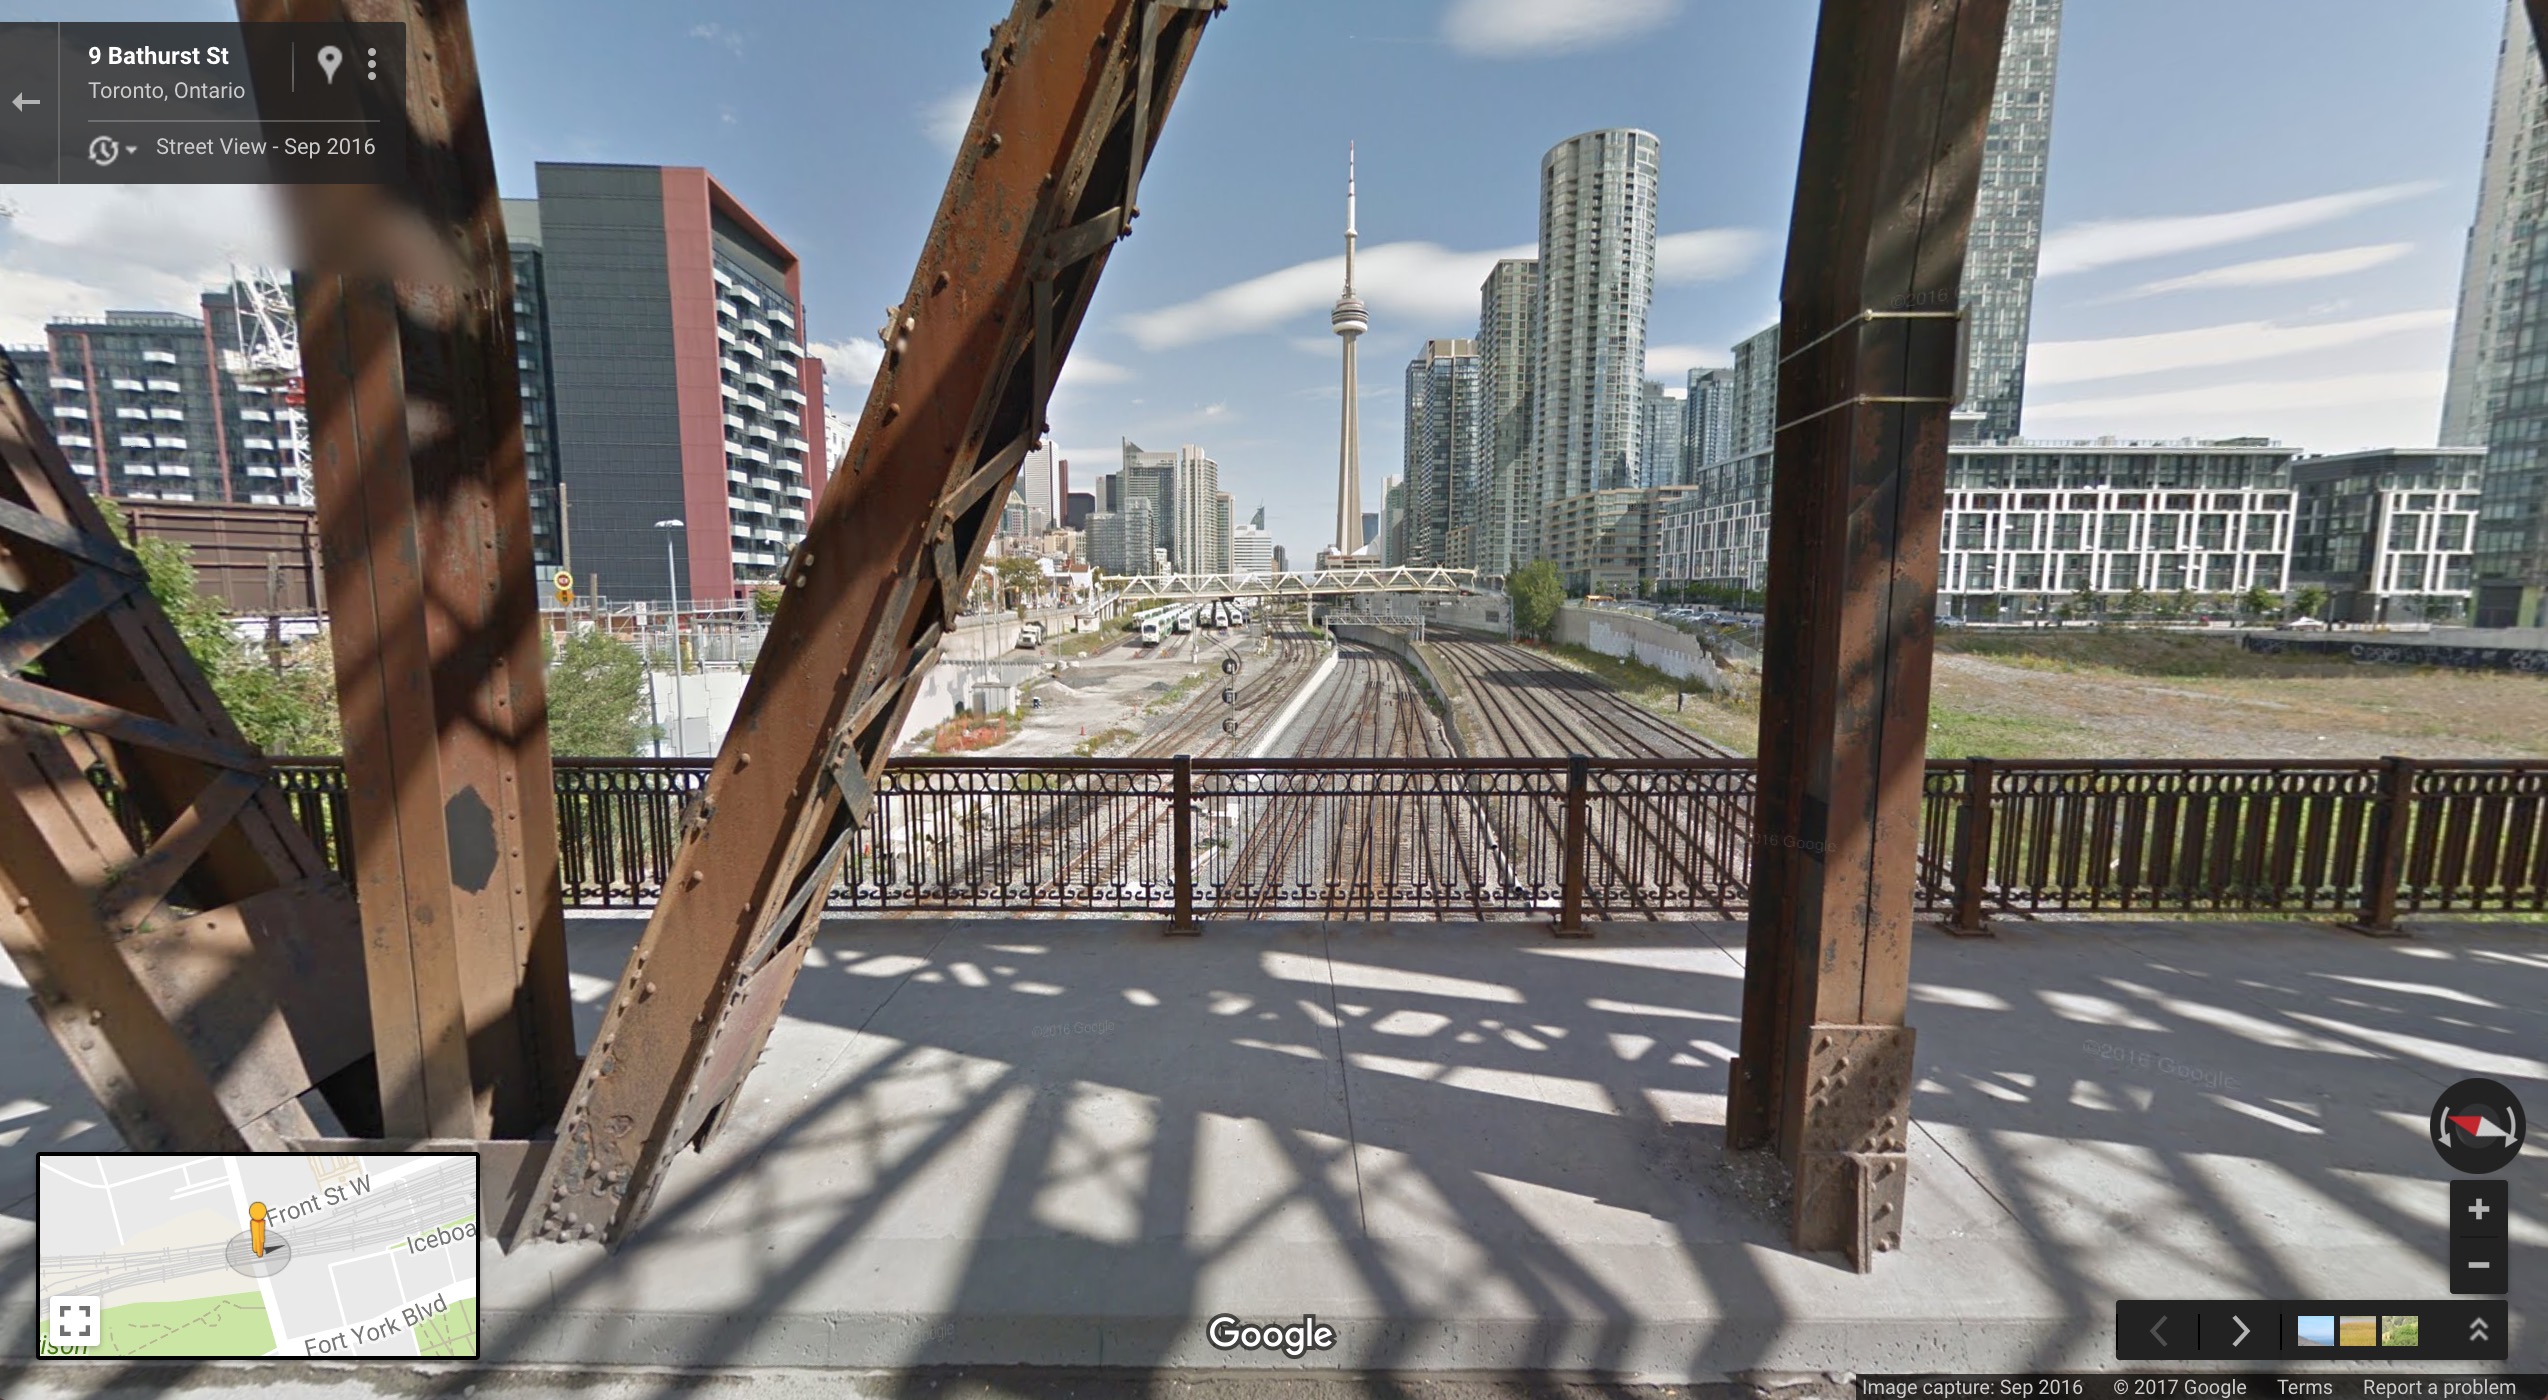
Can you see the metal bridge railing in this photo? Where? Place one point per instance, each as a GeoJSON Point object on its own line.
{"type": "Point", "coordinates": [1584, 839]}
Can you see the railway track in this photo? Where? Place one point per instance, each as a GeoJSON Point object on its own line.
{"type": "Point", "coordinates": [1078, 840]}
{"type": "Point", "coordinates": [1534, 708]}
{"type": "Point", "coordinates": [1377, 851]}
{"type": "Point", "coordinates": [1530, 707]}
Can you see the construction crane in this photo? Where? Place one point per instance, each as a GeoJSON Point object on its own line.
{"type": "Point", "coordinates": [265, 354]}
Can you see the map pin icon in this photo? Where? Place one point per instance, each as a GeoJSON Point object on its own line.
{"type": "Point", "coordinates": [328, 58]}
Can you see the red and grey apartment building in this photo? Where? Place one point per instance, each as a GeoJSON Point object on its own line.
{"type": "Point", "coordinates": [665, 377]}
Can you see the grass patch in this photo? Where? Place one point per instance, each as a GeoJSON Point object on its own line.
{"type": "Point", "coordinates": [1176, 694]}
{"type": "Point", "coordinates": [1103, 740]}
{"type": "Point", "coordinates": [1079, 644]}
{"type": "Point", "coordinates": [1970, 734]}
{"type": "Point", "coordinates": [2180, 655]}
{"type": "Point", "coordinates": [1731, 718]}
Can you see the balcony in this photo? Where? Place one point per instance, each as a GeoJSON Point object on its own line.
{"type": "Point", "coordinates": [727, 308]}
{"type": "Point", "coordinates": [736, 478]}
{"type": "Point", "coordinates": [761, 381]}
{"type": "Point", "coordinates": [747, 296]}
{"type": "Point", "coordinates": [81, 414]}
{"type": "Point", "coordinates": [69, 385]}
{"type": "Point", "coordinates": [763, 431]}
{"type": "Point", "coordinates": [127, 386]}
{"type": "Point", "coordinates": [780, 317]}
{"type": "Point", "coordinates": [256, 470]}
{"type": "Point", "coordinates": [798, 444]}
{"type": "Point", "coordinates": [747, 348]}
{"type": "Point", "coordinates": [82, 468]}
{"type": "Point", "coordinates": [166, 386]}
{"type": "Point", "coordinates": [791, 513]}
{"type": "Point", "coordinates": [171, 444]}
{"type": "Point", "coordinates": [729, 365]}
{"type": "Point", "coordinates": [788, 417]}
{"type": "Point", "coordinates": [138, 469]}
{"type": "Point", "coordinates": [793, 396]}
{"type": "Point", "coordinates": [138, 440]}
{"type": "Point", "coordinates": [175, 469]}
{"type": "Point", "coordinates": [258, 444]}
{"type": "Point", "coordinates": [770, 484]}
{"type": "Point", "coordinates": [719, 273]}
{"type": "Point", "coordinates": [159, 357]}
{"type": "Point", "coordinates": [75, 440]}
{"type": "Point", "coordinates": [255, 415]}
{"type": "Point", "coordinates": [167, 415]}
{"type": "Point", "coordinates": [754, 402]}
{"type": "Point", "coordinates": [728, 336]}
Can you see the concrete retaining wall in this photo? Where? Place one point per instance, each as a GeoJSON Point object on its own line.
{"type": "Point", "coordinates": [1398, 644]}
{"type": "Point", "coordinates": [1658, 644]}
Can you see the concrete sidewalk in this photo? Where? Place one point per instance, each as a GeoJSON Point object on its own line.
{"type": "Point", "coordinates": [1069, 1143]}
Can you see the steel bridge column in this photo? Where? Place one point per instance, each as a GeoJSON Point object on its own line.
{"type": "Point", "coordinates": [405, 300]}
{"type": "Point", "coordinates": [1869, 367]}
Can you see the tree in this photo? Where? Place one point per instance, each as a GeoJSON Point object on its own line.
{"type": "Point", "coordinates": [597, 696]}
{"type": "Point", "coordinates": [1537, 593]}
{"type": "Point", "coordinates": [2310, 601]}
{"type": "Point", "coordinates": [1020, 578]}
{"type": "Point", "coordinates": [765, 601]}
{"type": "Point", "coordinates": [2258, 602]}
{"type": "Point", "coordinates": [284, 704]}
{"type": "Point", "coordinates": [2087, 601]}
{"type": "Point", "coordinates": [2136, 602]}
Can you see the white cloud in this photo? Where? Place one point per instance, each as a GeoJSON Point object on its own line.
{"type": "Point", "coordinates": [1673, 363]}
{"type": "Point", "coordinates": [2105, 242]}
{"type": "Point", "coordinates": [77, 250]}
{"type": "Point", "coordinates": [2333, 413]}
{"type": "Point", "coordinates": [1704, 255]}
{"type": "Point", "coordinates": [945, 119]}
{"type": "Point", "coordinates": [1537, 28]}
{"type": "Point", "coordinates": [2241, 342]}
{"type": "Point", "coordinates": [848, 368]}
{"type": "Point", "coordinates": [1081, 370]}
{"type": "Point", "coordinates": [719, 34]}
{"type": "Point", "coordinates": [1421, 281]}
{"type": "Point", "coordinates": [2275, 272]}
{"type": "Point", "coordinates": [1424, 281]}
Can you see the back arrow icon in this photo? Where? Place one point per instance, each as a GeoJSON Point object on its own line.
{"type": "Point", "coordinates": [2155, 1332]}
{"type": "Point", "coordinates": [23, 102]}
{"type": "Point", "coordinates": [2242, 1329]}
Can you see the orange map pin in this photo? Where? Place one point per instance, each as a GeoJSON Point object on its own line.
{"type": "Point", "coordinates": [256, 1227]}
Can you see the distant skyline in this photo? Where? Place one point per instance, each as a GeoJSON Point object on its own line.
{"type": "Point", "coordinates": [2237, 241]}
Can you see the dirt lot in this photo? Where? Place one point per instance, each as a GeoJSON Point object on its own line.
{"type": "Point", "coordinates": [2089, 695]}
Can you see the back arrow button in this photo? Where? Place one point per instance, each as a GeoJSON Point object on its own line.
{"type": "Point", "coordinates": [2161, 1337]}
{"type": "Point", "coordinates": [23, 102]}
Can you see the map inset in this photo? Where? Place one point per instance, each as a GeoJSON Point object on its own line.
{"type": "Point", "coordinates": [257, 1254]}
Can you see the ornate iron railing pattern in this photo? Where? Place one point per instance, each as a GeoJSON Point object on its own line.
{"type": "Point", "coordinates": [1485, 839]}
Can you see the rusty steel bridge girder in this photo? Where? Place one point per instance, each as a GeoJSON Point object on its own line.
{"type": "Point", "coordinates": [405, 304]}
{"type": "Point", "coordinates": [1045, 183]}
{"type": "Point", "coordinates": [187, 946]}
{"type": "Point", "coordinates": [1870, 360]}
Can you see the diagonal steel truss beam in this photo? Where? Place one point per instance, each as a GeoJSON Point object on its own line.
{"type": "Point", "coordinates": [1047, 180]}
{"type": "Point", "coordinates": [185, 943]}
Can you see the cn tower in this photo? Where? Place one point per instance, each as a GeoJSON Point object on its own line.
{"type": "Point", "coordinates": [1350, 320]}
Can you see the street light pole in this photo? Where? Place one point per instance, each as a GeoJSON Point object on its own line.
{"type": "Point", "coordinates": [672, 587]}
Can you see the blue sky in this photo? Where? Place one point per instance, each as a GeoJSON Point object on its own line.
{"type": "Point", "coordinates": [2256, 208]}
